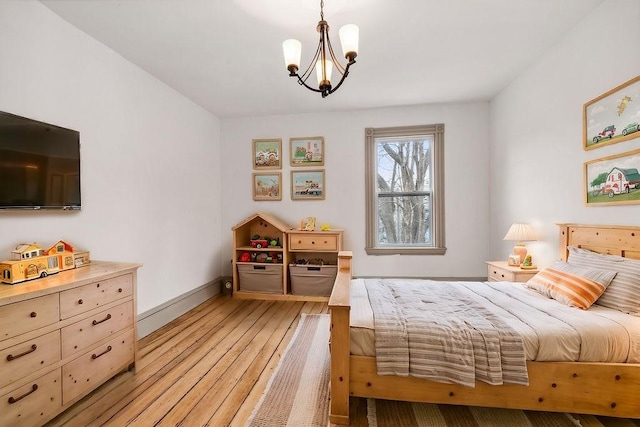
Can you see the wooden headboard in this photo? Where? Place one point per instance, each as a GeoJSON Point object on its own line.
{"type": "Point", "coordinates": [606, 239]}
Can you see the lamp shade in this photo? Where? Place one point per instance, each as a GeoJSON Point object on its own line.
{"type": "Point", "coordinates": [520, 233]}
{"type": "Point", "coordinates": [292, 50]}
{"type": "Point", "coordinates": [349, 35]}
{"type": "Point", "coordinates": [319, 72]}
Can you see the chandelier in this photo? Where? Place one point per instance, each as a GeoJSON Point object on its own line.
{"type": "Point", "coordinates": [324, 60]}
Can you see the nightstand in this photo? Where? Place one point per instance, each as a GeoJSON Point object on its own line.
{"type": "Point", "coordinates": [500, 271]}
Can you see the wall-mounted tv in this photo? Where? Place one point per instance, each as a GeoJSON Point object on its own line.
{"type": "Point", "coordinates": [39, 165]}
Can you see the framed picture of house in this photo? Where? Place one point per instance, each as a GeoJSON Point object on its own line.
{"type": "Point", "coordinates": [613, 116]}
{"type": "Point", "coordinates": [613, 180]}
{"type": "Point", "coordinates": [308, 151]}
{"type": "Point", "coordinates": [267, 186]}
{"type": "Point", "coordinates": [307, 185]}
{"type": "Point", "coordinates": [267, 153]}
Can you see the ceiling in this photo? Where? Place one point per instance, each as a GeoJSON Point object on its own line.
{"type": "Point", "coordinates": [226, 55]}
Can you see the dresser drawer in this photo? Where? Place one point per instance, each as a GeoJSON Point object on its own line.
{"type": "Point", "coordinates": [501, 272]}
{"type": "Point", "coordinates": [22, 359]}
{"type": "Point", "coordinates": [29, 315]}
{"type": "Point", "coordinates": [313, 242]}
{"type": "Point", "coordinates": [499, 275]}
{"type": "Point", "coordinates": [84, 298]}
{"type": "Point", "coordinates": [33, 403]}
{"type": "Point", "coordinates": [92, 329]}
{"type": "Point", "coordinates": [95, 366]}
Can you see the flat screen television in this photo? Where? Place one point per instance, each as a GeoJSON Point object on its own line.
{"type": "Point", "coordinates": [39, 165]}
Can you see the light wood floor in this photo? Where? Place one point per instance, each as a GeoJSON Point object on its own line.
{"type": "Point", "coordinates": [208, 367]}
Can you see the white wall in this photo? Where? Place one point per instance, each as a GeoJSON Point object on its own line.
{"type": "Point", "coordinates": [149, 158]}
{"type": "Point", "coordinates": [466, 181]}
{"type": "Point", "coordinates": [536, 130]}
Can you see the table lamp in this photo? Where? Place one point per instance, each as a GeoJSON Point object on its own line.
{"type": "Point", "coordinates": [520, 233]}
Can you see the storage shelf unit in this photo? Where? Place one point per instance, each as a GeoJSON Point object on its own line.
{"type": "Point", "coordinates": [256, 280]}
{"type": "Point", "coordinates": [245, 283]}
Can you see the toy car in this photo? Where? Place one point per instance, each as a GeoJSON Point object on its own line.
{"type": "Point", "coordinates": [259, 243]}
{"type": "Point", "coordinates": [631, 128]}
{"type": "Point", "coordinates": [607, 132]}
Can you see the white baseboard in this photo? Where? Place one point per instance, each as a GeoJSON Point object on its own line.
{"type": "Point", "coordinates": [157, 317]}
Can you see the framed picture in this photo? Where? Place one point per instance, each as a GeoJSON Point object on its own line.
{"type": "Point", "coordinates": [613, 116]}
{"type": "Point", "coordinates": [613, 180]}
{"type": "Point", "coordinates": [307, 185]}
{"type": "Point", "coordinates": [267, 153]}
{"type": "Point", "coordinates": [267, 186]}
{"type": "Point", "coordinates": [307, 151]}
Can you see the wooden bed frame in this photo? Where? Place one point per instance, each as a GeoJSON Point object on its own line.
{"type": "Point", "coordinates": [586, 388]}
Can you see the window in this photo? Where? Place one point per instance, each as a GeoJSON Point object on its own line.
{"type": "Point", "coordinates": [405, 190]}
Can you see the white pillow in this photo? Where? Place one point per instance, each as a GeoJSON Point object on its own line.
{"type": "Point", "coordinates": [623, 293]}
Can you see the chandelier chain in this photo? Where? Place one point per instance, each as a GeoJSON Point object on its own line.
{"type": "Point", "coordinates": [322, 10]}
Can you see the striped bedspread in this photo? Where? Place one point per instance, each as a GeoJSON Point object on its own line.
{"type": "Point", "coordinates": [440, 333]}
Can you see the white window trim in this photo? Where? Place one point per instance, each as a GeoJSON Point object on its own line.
{"type": "Point", "coordinates": [437, 200]}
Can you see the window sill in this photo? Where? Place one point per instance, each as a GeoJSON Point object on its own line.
{"type": "Point", "coordinates": [406, 251]}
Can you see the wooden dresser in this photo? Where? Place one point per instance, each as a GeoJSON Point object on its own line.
{"type": "Point", "coordinates": [62, 336]}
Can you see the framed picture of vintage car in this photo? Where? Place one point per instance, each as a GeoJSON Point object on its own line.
{"type": "Point", "coordinates": [307, 185]}
{"type": "Point", "coordinates": [613, 116]}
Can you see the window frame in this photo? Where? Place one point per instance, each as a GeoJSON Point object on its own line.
{"type": "Point", "coordinates": [437, 190]}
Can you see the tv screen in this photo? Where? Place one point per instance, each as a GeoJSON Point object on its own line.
{"type": "Point", "coordinates": [39, 165]}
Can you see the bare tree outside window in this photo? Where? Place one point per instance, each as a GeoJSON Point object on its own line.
{"type": "Point", "coordinates": [405, 190]}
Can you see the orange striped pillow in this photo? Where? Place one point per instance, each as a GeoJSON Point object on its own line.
{"type": "Point", "coordinates": [567, 288]}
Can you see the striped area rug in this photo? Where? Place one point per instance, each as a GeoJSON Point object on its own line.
{"type": "Point", "coordinates": [386, 413]}
{"type": "Point", "coordinates": [297, 394]}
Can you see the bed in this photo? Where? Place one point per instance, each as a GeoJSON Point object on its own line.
{"type": "Point", "coordinates": [597, 388]}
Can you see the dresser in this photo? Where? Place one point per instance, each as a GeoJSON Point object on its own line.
{"type": "Point", "coordinates": [62, 336]}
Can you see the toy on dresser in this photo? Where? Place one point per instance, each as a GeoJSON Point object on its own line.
{"type": "Point", "coordinates": [30, 261]}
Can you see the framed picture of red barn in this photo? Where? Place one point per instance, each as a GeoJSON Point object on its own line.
{"type": "Point", "coordinates": [613, 180]}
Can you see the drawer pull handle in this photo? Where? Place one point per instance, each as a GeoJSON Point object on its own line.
{"type": "Point", "coordinates": [12, 357]}
{"type": "Point", "coordinates": [80, 301]}
{"type": "Point", "coordinates": [313, 243]}
{"type": "Point", "coordinates": [33, 314]}
{"type": "Point", "coordinates": [95, 356]}
{"type": "Point", "coordinates": [13, 400]}
{"type": "Point", "coordinates": [97, 322]}
{"type": "Point", "coordinates": [120, 290]}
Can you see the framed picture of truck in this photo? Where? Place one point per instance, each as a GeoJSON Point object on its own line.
{"type": "Point", "coordinates": [613, 180]}
{"type": "Point", "coordinates": [613, 116]}
{"type": "Point", "coordinates": [307, 185]}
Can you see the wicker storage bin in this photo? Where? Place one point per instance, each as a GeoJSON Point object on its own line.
{"type": "Point", "coordinates": [313, 280]}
